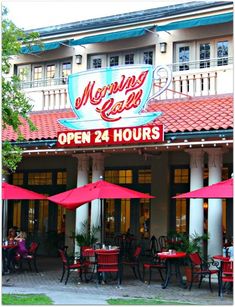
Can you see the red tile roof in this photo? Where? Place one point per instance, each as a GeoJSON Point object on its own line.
{"type": "Point", "coordinates": [195, 114]}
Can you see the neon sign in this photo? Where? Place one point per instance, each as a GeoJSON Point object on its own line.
{"type": "Point", "coordinates": [113, 97]}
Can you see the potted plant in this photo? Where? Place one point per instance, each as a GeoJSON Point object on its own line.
{"type": "Point", "coordinates": [87, 236]}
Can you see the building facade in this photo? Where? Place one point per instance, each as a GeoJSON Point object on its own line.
{"type": "Point", "coordinates": [195, 42]}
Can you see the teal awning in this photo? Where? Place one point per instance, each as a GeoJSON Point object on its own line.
{"type": "Point", "coordinates": [107, 37]}
{"type": "Point", "coordinates": [44, 47]}
{"type": "Point", "coordinates": [197, 22]}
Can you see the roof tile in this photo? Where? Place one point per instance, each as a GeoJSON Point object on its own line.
{"type": "Point", "coordinates": [201, 113]}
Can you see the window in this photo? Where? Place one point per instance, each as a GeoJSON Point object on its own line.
{"type": "Point", "coordinates": [181, 215]}
{"type": "Point", "coordinates": [204, 55]}
{"type": "Point", "coordinates": [184, 58]}
{"type": "Point", "coordinates": [50, 74]}
{"type": "Point", "coordinates": [144, 218]}
{"type": "Point", "coordinates": [148, 57]}
{"type": "Point", "coordinates": [125, 215]}
{"type": "Point", "coordinates": [144, 176]}
{"type": "Point", "coordinates": [44, 178]}
{"type": "Point", "coordinates": [181, 175]}
{"type": "Point", "coordinates": [17, 213]}
{"type": "Point", "coordinates": [119, 176]}
{"type": "Point", "coordinates": [129, 58]}
{"type": "Point", "coordinates": [37, 75]}
{"type": "Point", "coordinates": [137, 56]}
{"type": "Point", "coordinates": [114, 61]}
{"type": "Point", "coordinates": [44, 74]}
{"type": "Point", "coordinates": [61, 178]}
{"type": "Point", "coordinates": [109, 218]}
{"type": "Point", "coordinates": [222, 53]}
{"type": "Point", "coordinates": [18, 178]}
{"type": "Point", "coordinates": [66, 71]}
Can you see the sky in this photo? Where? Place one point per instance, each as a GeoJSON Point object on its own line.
{"type": "Point", "coordinates": [35, 14]}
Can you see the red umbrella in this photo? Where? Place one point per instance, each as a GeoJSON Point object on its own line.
{"type": "Point", "coordinates": [96, 190]}
{"type": "Point", "coordinates": [222, 189]}
{"type": "Point", "coordinates": [10, 191]}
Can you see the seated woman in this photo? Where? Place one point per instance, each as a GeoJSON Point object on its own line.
{"type": "Point", "coordinates": [11, 236]}
{"type": "Point", "coordinates": [21, 246]}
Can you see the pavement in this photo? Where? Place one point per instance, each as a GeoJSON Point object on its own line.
{"type": "Point", "coordinates": [77, 292]}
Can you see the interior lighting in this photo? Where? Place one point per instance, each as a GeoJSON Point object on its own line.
{"type": "Point", "coordinates": [185, 141]}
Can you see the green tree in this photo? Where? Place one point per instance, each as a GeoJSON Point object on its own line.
{"type": "Point", "coordinates": [15, 105]}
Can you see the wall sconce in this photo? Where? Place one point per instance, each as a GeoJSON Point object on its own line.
{"type": "Point", "coordinates": [163, 47]}
{"type": "Point", "coordinates": [78, 59]}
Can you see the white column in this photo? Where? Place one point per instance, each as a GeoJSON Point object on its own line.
{"type": "Point", "coordinates": [215, 232]}
{"type": "Point", "coordinates": [82, 179]}
{"type": "Point", "coordinates": [196, 181]}
{"type": "Point", "coordinates": [97, 174]}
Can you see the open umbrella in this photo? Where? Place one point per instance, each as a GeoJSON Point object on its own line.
{"type": "Point", "coordinates": [222, 189]}
{"type": "Point", "coordinates": [11, 192]}
{"type": "Point", "coordinates": [96, 190]}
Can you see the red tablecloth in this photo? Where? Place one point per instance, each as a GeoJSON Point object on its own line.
{"type": "Point", "coordinates": [167, 255]}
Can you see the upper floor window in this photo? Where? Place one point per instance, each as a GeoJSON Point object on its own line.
{"type": "Point", "coordinates": [222, 53]}
{"type": "Point", "coordinates": [202, 54]}
{"type": "Point", "coordinates": [44, 74]}
{"type": "Point", "coordinates": [139, 56]}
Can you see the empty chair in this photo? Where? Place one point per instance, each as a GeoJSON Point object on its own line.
{"type": "Point", "coordinates": [200, 268]}
{"type": "Point", "coordinates": [225, 275]}
{"type": "Point", "coordinates": [108, 262]}
{"type": "Point", "coordinates": [134, 262]}
{"type": "Point", "coordinates": [89, 261]}
{"type": "Point", "coordinates": [156, 263]}
{"type": "Point", "coordinates": [68, 265]}
{"type": "Point", "coordinates": [153, 247]}
{"type": "Point", "coordinates": [163, 241]}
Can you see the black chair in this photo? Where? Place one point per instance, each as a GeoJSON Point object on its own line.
{"type": "Point", "coordinates": [163, 241]}
{"type": "Point", "coordinates": [134, 262]}
{"type": "Point", "coordinates": [153, 247]}
{"type": "Point", "coordinates": [156, 263]}
{"type": "Point", "coordinates": [68, 265]}
{"type": "Point", "coordinates": [201, 268]}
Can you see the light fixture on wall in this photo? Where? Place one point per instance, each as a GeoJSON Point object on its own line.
{"type": "Point", "coordinates": [78, 59]}
{"type": "Point", "coordinates": [163, 47]}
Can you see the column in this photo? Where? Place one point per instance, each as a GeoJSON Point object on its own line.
{"type": "Point", "coordinates": [196, 216]}
{"type": "Point", "coordinates": [4, 210]}
{"type": "Point", "coordinates": [96, 208]}
{"type": "Point", "coordinates": [215, 232]}
{"type": "Point", "coordinates": [82, 179]}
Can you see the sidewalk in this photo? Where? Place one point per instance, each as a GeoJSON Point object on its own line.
{"type": "Point", "coordinates": [81, 293]}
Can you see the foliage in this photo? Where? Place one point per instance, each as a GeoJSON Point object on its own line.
{"type": "Point", "coordinates": [87, 237]}
{"type": "Point", "coordinates": [188, 243]}
{"type": "Point", "coordinates": [15, 105]}
{"type": "Point", "coordinates": [26, 299]}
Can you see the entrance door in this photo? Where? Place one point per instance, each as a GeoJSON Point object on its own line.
{"type": "Point", "coordinates": [128, 215]}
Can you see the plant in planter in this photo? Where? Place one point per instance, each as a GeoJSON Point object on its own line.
{"type": "Point", "coordinates": [87, 237]}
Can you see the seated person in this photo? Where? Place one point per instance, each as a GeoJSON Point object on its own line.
{"type": "Point", "coordinates": [11, 236]}
{"type": "Point", "coordinates": [21, 246]}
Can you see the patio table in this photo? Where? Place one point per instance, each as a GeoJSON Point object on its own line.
{"type": "Point", "coordinates": [172, 259]}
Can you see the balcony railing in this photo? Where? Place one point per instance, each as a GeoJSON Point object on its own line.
{"type": "Point", "coordinates": [51, 94]}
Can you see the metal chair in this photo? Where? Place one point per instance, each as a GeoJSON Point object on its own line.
{"type": "Point", "coordinates": [31, 257]}
{"type": "Point", "coordinates": [225, 275]}
{"type": "Point", "coordinates": [134, 262]}
{"type": "Point", "coordinates": [68, 265]}
{"type": "Point", "coordinates": [200, 268]}
{"type": "Point", "coordinates": [107, 261]}
{"type": "Point", "coordinates": [156, 263]}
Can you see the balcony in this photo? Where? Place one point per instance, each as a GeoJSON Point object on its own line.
{"type": "Point", "coordinates": [194, 80]}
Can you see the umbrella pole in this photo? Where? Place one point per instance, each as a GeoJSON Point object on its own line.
{"type": "Point", "coordinates": [102, 220]}
{"type": "Point", "coordinates": [4, 219]}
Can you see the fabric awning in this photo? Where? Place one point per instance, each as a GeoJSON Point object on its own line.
{"type": "Point", "coordinates": [197, 22]}
{"type": "Point", "coordinates": [44, 47]}
{"type": "Point", "coordinates": [107, 37]}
